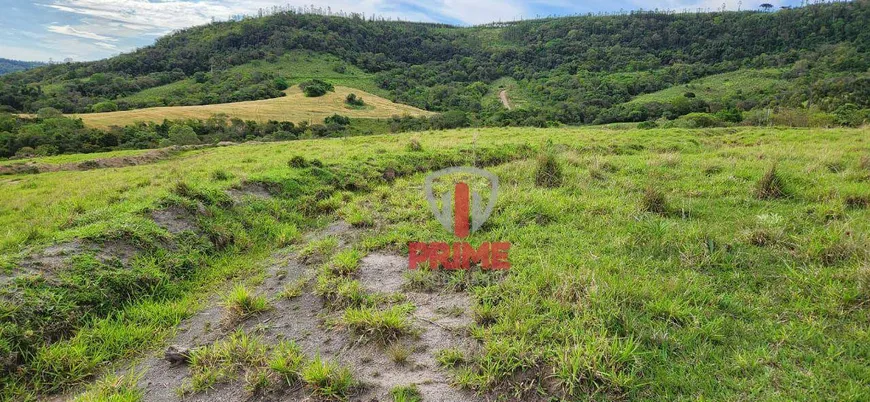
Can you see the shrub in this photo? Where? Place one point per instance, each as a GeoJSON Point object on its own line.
{"type": "Point", "coordinates": [770, 186]}
{"type": "Point", "coordinates": [280, 83]}
{"type": "Point", "coordinates": [315, 88]}
{"type": "Point", "coordinates": [107, 106]}
{"type": "Point", "coordinates": [181, 134]}
{"type": "Point", "coordinates": [353, 100]}
{"type": "Point", "coordinates": [337, 119]}
{"type": "Point", "coordinates": [646, 125]}
{"type": "Point", "coordinates": [48, 113]}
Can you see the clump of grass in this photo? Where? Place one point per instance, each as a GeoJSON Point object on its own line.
{"type": "Point", "coordinates": [380, 325]}
{"type": "Point", "coordinates": [345, 262]}
{"type": "Point", "coordinates": [770, 186]}
{"type": "Point", "coordinates": [597, 365]}
{"type": "Point", "coordinates": [864, 163]}
{"type": "Point", "coordinates": [242, 303]}
{"type": "Point", "coordinates": [287, 361]}
{"type": "Point", "coordinates": [114, 388]}
{"type": "Point", "coordinates": [359, 217]}
{"type": "Point", "coordinates": [222, 361]}
{"type": "Point", "coordinates": [297, 162]}
{"type": "Point", "coordinates": [421, 279]}
{"type": "Point", "coordinates": [407, 393]}
{"type": "Point", "coordinates": [484, 314]}
{"type": "Point", "coordinates": [414, 145]}
{"type": "Point", "coordinates": [856, 201]}
{"type": "Point", "coordinates": [221, 175]}
{"type": "Point", "coordinates": [259, 380]}
{"type": "Point", "coordinates": [327, 380]}
{"type": "Point", "coordinates": [294, 289]}
{"type": "Point", "coordinates": [342, 292]}
{"type": "Point", "coordinates": [654, 200]}
{"type": "Point", "coordinates": [319, 249]}
{"type": "Point", "coordinates": [548, 172]}
{"type": "Point", "coordinates": [451, 357]}
{"type": "Point", "coordinates": [863, 279]}
{"type": "Point", "coordinates": [399, 353]}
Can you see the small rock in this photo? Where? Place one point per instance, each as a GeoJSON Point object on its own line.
{"type": "Point", "coordinates": [177, 355]}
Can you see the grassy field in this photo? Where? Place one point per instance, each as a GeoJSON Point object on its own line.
{"type": "Point", "coordinates": [721, 264]}
{"type": "Point", "coordinates": [295, 107]}
{"type": "Point", "coordinates": [725, 86]}
{"type": "Point", "coordinates": [73, 158]}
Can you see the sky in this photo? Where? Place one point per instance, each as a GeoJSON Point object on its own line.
{"type": "Point", "coordinates": [82, 30]}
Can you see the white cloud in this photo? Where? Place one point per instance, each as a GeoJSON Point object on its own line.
{"type": "Point", "coordinates": [68, 30]}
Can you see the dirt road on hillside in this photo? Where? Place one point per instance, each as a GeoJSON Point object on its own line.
{"type": "Point", "coordinates": [504, 99]}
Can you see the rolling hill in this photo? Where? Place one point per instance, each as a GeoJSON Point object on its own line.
{"type": "Point", "coordinates": [571, 70]}
{"type": "Point", "coordinates": [294, 107]}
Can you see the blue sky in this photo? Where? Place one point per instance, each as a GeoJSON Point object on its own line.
{"type": "Point", "coordinates": [96, 29]}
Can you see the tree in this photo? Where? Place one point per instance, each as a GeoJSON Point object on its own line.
{"type": "Point", "coordinates": [767, 6]}
{"type": "Point", "coordinates": [48, 113]}
{"type": "Point", "coordinates": [181, 134]}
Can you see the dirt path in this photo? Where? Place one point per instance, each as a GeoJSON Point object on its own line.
{"type": "Point", "coordinates": [504, 99]}
{"type": "Point", "coordinates": [441, 318]}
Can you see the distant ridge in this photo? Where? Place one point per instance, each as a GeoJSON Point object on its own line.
{"type": "Point", "coordinates": [11, 66]}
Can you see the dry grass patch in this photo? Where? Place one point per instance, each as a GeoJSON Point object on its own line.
{"type": "Point", "coordinates": [294, 107]}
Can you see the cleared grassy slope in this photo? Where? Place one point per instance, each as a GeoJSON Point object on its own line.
{"type": "Point", "coordinates": [736, 84]}
{"type": "Point", "coordinates": [295, 107]}
{"type": "Point", "coordinates": [295, 66]}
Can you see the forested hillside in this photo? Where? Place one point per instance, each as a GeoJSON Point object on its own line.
{"type": "Point", "coordinates": [11, 66]}
{"type": "Point", "coordinates": [575, 70]}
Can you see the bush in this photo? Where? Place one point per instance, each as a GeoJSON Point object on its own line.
{"type": "Point", "coordinates": [181, 134]}
{"type": "Point", "coordinates": [315, 88]}
{"type": "Point", "coordinates": [280, 83]}
{"type": "Point", "coordinates": [353, 100]}
{"type": "Point", "coordinates": [48, 113]}
{"type": "Point", "coordinates": [337, 119]}
{"type": "Point", "coordinates": [107, 106]}
{"type": "Point", "coordinates": [646, 125]}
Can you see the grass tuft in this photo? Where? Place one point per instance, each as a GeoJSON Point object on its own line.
{"type": "Point", "coordinates": [241, 303]}
{"type": "Point", "coordinates": [399, 353]}
{"type": "Point", "coordinates": [115, 388]}
{"type": "Point", "coordinates": [328, 380]}
{"type": "Point", "coordinates": [294, 289]}
{"type": "Point", "coordinates": [223, 360]}
{"type": "Point", "coordinates": [548, 173]}
{"type": "Point", "coordinates": [384, 326]}
{"type": "Point", "coordinates": [654, 201]}
{"type": "Point", "coordinates": [407, 393]}
{"type": "Point", "coordinates": [770, 186]}
{"type": "Point", "coordinates": [287, 361]}
{"type": "Point", "coordinates": [450, 357]}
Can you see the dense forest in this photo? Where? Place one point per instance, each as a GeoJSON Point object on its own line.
{"type": "Point", "coordinates": [570, 70]}
{"type": "Point", "coordinates": [11, 66]}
